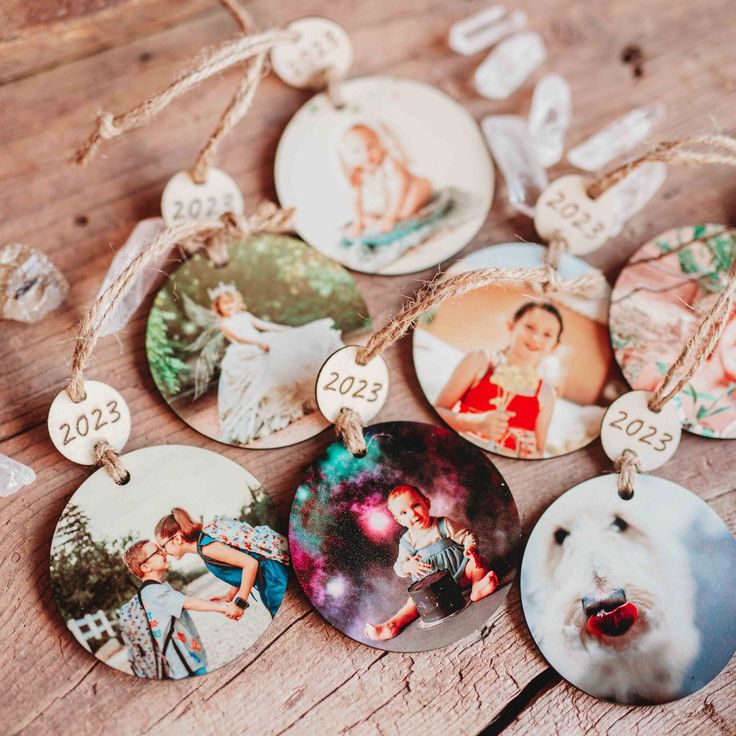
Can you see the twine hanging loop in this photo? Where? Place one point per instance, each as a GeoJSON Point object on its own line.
{"type": "Point", "coordinates": [349, 425]}
{"type": "Point", "coordinates": [627, 467]}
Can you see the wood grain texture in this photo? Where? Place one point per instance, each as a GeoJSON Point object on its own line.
{"type": "Point", "coordinates": [303, 677]}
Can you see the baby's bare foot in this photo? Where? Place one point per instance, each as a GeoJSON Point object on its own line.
{"type": "Point", "coordinates": [484, 587]}
{"type": "Point", "coordinates": [381, 632]}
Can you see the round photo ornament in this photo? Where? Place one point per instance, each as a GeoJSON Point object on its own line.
{"type": "Point", "coordinates": [150, 574]}
{"type": "Point", "coordinates": [631, 600]}
{"type": "Point", "coordinates": [152, 578]}
{"type": "Point", "coordinates": [627, 580]}
{"type": "Point", "coordinates": [516, 367]}
{"type": "Point", "coordinates": [656, 306]}
{"type": "Point", "coordinates": [393, 179]}
{"type": "Point", "coordinates": [409, 547]}
{"type": "Point", "coordinates": [235, 349]}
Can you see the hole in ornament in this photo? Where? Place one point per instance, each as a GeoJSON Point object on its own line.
{"type": "Point", "coordinates": [125, 480]}
{"type": "Point", "coordinates": [626, 494]}
{"type": "Point", "coordinates": [81, 220]}
{"type": "Point", "coordinates": [145, 56]}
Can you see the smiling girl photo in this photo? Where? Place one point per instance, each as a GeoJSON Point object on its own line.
{"type": "Point", "coordinates": [516, 371]}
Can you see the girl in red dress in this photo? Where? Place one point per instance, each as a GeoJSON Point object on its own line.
{"type": "Point", "coordinates": [502, 403]}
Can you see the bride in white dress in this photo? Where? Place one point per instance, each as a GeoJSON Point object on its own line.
{"type": "Point", "coordinates": [268, 370]}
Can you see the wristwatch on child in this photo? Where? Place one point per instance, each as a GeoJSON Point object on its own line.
{"type": "Point", "coordinates": [240, 602]}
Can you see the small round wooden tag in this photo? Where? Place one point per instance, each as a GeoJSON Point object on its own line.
{"type": "Point", "coordinates": [629, 424]}
{"type": "Point", "coordinates": [183, 199]}
{"type": "Point", "coordinates": [102, 416]}
{"type": "Point", "coordinates": [565, 210]}
{"type": "Point", "coordinates": [322, 45]}
{"type": "Point", "coordinates": [344, 384]}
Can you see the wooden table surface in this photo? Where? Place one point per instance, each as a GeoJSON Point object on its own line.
{"type": "Point", "coordinates": [303, 677]}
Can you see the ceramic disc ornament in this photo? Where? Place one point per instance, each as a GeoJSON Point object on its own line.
{"type": "Point", "coordinates": [632, 601]}
{"type": "Point", "coordinates": [395, 181]}
{"type": "Point", "coordinates": [412, 546]}
{"type": "Point", "coordinates": [658, 302]}
{"type": "Point", "coordinates": [136, 572]}
{"type": "Point", "coordinates": [235, 350]}
{"type": "Point", "coordinates": [514, 372]}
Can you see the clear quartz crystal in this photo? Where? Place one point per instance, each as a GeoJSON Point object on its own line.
{"type": "Point", "coordinates": [141, 236]}
{"type": "Point", "coordinates": [30, 285]}
{"type": "Point", "coordinates": [549, 117]}
{"type": "Point", "coordinates": [13, 475]}
{"type": "Point", "coordinates": [617, 138]}
{"type": "Point", "coordinates": [512, 148]}
{"type": "Point", "coordinates": [508, 66]}
{"type": "Point", "coordinates": [633, 192]}
{"type": "Point", "coordinates": [484, 28]}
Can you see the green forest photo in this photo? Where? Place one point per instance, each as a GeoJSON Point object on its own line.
{"type": "Point", "coordinates": [235, 350]}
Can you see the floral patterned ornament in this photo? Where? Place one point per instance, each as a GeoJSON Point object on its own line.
{"type": "Point", "coordinates": [659, 299]}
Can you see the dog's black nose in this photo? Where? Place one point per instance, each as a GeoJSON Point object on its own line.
{"type": "Point", "coordinates": [606, 601]}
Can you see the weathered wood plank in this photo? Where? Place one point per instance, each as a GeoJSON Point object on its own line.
{"type": "Point", "coordinates": [303, 677]}
{"type": "Point", "coordinates": [39, 34]}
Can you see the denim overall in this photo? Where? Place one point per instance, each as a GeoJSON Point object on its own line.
{"type": "Point", "coordinates": [444, 554]}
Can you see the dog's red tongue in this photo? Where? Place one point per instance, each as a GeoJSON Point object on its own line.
{"type": "Point", "coordinates": [613, 623]}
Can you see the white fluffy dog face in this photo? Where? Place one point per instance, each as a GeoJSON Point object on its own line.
{"type": "Point", "coordinates": [609, 595]}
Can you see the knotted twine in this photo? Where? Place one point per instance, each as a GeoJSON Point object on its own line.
{"type": "Point", "coordinates": [694, 352]}
{"type": "Point", "coordinates": [701, 344]}
{"type": "Point", "coordinates": [252, 47]}
{"type": "Point", "coordinates": [349, 425]}
{"type": "Point", "coordinates": [682, 151]}
{"type": "Point", "coordinates": [267, 218]}
{"type": "Point", "coordinates": [719, 150]}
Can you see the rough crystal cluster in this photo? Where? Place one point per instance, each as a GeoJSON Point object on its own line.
{"type": "Point", "coordinates": [30, 285]}
{"type": "Point", "coordinates": [13, 475]}
{"type": "Point", "coordinates": [482, 30]}
{"type": "Point", "coordinates": [634, 191]}
{"type": "Point", "coordinates": [524, 149]}
{"type": "Point", "coordinates": [617, 138]}
{"type": "Point", "coordinates": [549, 117]}
{"type": "Point", "coordinates": [140, 238]}
{"type": "Point", "coordinates": [513, 150]}
{"type": "Point", "coordinates": [509, 65]}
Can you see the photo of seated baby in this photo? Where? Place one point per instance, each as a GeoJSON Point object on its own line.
{"type": "Point", "coordinates": [396, 180]}
{"type": "Point", "coordinates": [386, 191]}
{"type": "Point", "coordinates": [393, 208]}
{"type": "Point", "coordinates": [430, 545]}
{"type": "Point", "coordinates": [412, 546]}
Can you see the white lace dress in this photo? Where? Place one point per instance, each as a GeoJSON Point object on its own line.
{"type": "Point", "coordinates": [261, 392]}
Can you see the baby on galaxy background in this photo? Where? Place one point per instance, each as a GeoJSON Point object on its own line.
{"type": "Point", "coordinates": [429, 545]}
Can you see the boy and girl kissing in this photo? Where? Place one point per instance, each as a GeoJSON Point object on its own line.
{"type": "Point", "coordinates": [175, 637]}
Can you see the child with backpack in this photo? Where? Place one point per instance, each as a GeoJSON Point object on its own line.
{"type": "Point", "coordinates": [237, 553]}
{"type": "Point", "coordinates": [162, 640]}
